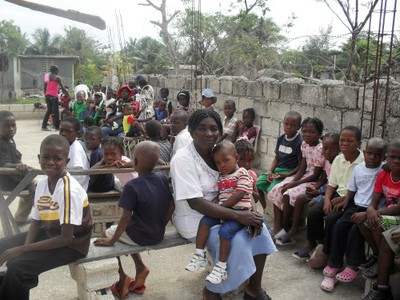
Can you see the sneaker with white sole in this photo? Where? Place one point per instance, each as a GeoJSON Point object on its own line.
{"type": "Point", "coordinates": [217, 275]}
{"type": "Point", "coordinates": [196, 263]}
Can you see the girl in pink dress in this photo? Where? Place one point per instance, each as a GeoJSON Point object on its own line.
{"type": "Point", "coordinates": [309, 171]}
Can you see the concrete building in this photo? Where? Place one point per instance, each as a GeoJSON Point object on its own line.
{"type": "Point", "coordinates": [24, 74]}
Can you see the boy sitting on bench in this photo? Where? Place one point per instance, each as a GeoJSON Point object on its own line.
{"type": "Point", "coordinates": [147, 208]}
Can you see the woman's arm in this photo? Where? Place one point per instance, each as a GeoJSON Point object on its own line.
{"type": "Point", "coordinates": [58, 79]}
{"type": "Point", "coordinates": [219, 212]}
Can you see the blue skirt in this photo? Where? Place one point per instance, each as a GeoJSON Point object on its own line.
{"type": "Point", "coordinates": [240, 262]}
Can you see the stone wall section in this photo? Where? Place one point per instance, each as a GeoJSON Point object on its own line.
{"type": "Point", "coordinates": [336, 104]}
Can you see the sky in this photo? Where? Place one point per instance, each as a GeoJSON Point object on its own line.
{"type": "Point", "coordinates": [311, 16]}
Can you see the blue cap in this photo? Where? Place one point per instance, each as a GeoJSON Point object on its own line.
{"type": "Point", "coordinates": [208, 93]}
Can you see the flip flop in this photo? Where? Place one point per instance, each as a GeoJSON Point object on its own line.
{"type": "Point", "coordinates": [138, 291]}
{"type": "Point", "coordinates": [285, 240]}
{"type": "Point", "coordinates": [124, 293]}
{"type": "Point", "coordinates": [301, 255]}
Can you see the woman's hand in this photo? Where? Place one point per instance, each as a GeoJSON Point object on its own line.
{"type": "Point", "coordinates": [10, 254]}
{"type": "Point", "coordinates": [106, 242]}
{"type": "Point", "coordinates": [250, 218]}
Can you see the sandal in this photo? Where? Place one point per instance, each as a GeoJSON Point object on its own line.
{"type": "Point", "coordinates": [124, 292]}
{"type": "Point", "coordinates": [285, 240]}
{"type": "Point", "coordinates": [301, 255]}
{"type": "Point", "coordinates": [330, 272]}
{"type": "Point", "coordinates": [138, 291]}
{"type": "Point", "coordinates": [261, 296]}
{"type": "Point", "coordinates": [328, 284]}
{"type": "Point", "coordinates": [347, 275]}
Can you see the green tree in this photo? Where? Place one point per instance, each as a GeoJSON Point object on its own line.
{"type": "Point", "coordinates": [230, 44]}
{"type": "Point", "coordinates": [147, 55]}
{"type": "Point", "coordinates": [43, 43]}
{"type": "Point", "coordinates": [12, 43]}
{"type": "Point", "coordinates": [77, 42]}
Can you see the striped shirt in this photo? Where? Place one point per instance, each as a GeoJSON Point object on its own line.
{"type": "Point", "coordinates": [228, 184]}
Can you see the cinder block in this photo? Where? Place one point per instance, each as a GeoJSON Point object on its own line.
{"type": "Point", "coordinates": [214, 84]}
{"type": "Point", "coordinates": [261, 107]}
{"type": "Point", "coordinates": [392, 129]}
{"type": "Point", "coordinates": [226, 85]}
{"type": "Point", "coordinates": [271, 127]}
{"type": "Point", "coordinates": [313, 95]}
{"type": "Point", "coordinates": [239, 86]}
{"type": "Point", "coordinates": [330, 117]}
{"type": "Point", "coordinates": [200, 83]}
{"type": "Point", "coordinates": [351, 117]}
{"type": "Point", "coordinates": [271, 88]}
{"type": "Point", "coordinates": [278, 110]}
{"type": "Point", "coordinates": [291, 90]}
{"type": "Point", "coordinates": [304, 110]}
{"type": "Point", "coordinates": [181, 83]}
{"type": "Point", "coordinates": [94, 276]}
{"type": "Point", "coordinates": [254, 89]}
{"type": "Point", "coordinates": [245, 103]}
{"type": "Point", "coordinates": [342, 97]}
{"type": "Point", "coordinates": [262, 144]}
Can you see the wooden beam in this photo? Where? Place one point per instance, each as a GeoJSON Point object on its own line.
{"type": "Point", "coordinates": [73, 15]}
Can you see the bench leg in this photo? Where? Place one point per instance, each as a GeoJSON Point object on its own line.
{"type": "Point", "coordinates": [92, 277]}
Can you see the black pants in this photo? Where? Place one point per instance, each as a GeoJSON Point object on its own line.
{"type": "Point", "coordinates": [346, 239]}
{"type": "Point", "coordinates": [318, 226]}
{"type": "Point", "coordinates": [52, 108]}
{"type": "Point", "coordinates": [23, 272]}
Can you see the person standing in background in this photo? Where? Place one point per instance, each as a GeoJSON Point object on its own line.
{"type": "Point", "coordinates": [52, 82]}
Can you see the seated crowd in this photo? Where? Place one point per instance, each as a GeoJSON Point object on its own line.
{"type": "Point", "coordinates": [351, 196]}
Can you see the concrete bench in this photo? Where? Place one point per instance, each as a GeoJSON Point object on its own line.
{"type": "Point", "coordinates": [95, 273]}
{"type": "Point", "coordinates": [104, 209]}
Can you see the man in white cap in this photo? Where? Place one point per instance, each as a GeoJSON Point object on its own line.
{"type": "Point", "coordinates": [208, 99]}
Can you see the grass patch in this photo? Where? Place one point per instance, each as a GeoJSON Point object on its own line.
{"type": "Point", "coordinates": [29, 100]}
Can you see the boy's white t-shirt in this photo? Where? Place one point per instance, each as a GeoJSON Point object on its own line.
{"type": "Point", "coordinates": [78, 160]}
{"type": "Point", "coordinates": [182, 139]}
{"type": "Point", "coordinates": [65, 204]}
{"type": "Point", "coordinates": [362, 182]}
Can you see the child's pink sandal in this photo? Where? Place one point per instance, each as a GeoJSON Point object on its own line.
{"type": "Point", "coordinates": [347, 275]}
{"type": "Point", "coordinates": [330, 272]}
{"type": "Point", "coordinates": [328, 284]}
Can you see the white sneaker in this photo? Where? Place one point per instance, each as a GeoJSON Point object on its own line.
{"type": "Point", "coordinates": [217, 275]}
{"type": "Point", "coordinates": [196, 263]}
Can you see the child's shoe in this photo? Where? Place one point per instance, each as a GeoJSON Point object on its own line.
{"type": "Point", "coordinates": [378, 293]}
{"type": "Point", "coordinates": [372, 272]}
{"type": "Point", "coordinates": [196, 263]}
{"type": "Point", "coordinates": [373, 258]}
{"type": "Point", "coordinates": [217, 275]}
{"type": "Point", "coordinates": [330, 272]}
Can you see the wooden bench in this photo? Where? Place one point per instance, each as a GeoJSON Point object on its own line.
{"type": "Point", "coordinates": [95, 273]}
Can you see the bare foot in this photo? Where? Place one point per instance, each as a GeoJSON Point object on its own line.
{"type": "Point", "coordinates": [140, 279]}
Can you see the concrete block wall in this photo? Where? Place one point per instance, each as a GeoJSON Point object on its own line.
{"type": "Point", "coordinates": [24, 111]}
{"type": "Point", "coordinates": [336, 104]}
